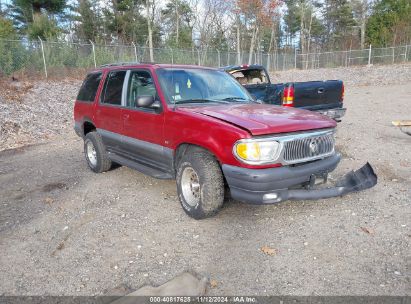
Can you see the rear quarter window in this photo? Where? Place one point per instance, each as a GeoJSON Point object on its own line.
{"type": "Point", "coordinates": [89, 87]}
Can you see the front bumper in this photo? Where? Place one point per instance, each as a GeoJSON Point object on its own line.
{"type": "Point", "coordinates": [273, 185]}
{"type": "Point", "coordinates": [335, 114]}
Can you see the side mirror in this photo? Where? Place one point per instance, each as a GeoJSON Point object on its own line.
{"type": "Point", "coordinates": [147, 101]}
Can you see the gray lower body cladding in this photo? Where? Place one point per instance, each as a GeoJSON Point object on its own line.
{"type": "Point", "coordinates": [273, 185]}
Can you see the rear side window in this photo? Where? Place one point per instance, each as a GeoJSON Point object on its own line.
{"type": "Point", "coordinates": [89, 87]}
{"type": "Point", "coordinates": [113, 88]}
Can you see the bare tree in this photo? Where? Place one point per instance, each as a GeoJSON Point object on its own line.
{"type": "Point", "coordinates": [238, 40]}
{"type": "Point", "coordinates": [257, 14]}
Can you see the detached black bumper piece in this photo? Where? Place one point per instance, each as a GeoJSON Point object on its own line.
{"type": "Point", "coordinates": [274, 185]}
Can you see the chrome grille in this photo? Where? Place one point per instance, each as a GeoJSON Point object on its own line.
{"type": "Point", "coordinates": [308, 148]}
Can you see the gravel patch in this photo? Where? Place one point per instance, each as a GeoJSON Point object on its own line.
{"type": "Point", "coordinates": [36, 114]}
{"type": "Point", "coordinates": [352, 76]}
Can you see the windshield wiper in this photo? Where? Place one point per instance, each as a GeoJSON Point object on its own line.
{"type": "Point", "coordinates": [199, 100]}
{"type": "Point", "coordinates": [234, 98]}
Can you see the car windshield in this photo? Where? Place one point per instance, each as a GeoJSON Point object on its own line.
{"type": "Point", "coordinates": [191, 85]}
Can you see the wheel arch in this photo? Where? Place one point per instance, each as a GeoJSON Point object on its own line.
{"type": "Point", "coordinates": [187, 147]}
{"type": "Point", "coordinates": [87, 126]}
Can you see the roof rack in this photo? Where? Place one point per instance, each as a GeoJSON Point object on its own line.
{"type": "Point", "coordinates": [118, 64]}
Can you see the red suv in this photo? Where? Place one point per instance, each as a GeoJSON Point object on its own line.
{"type": "Point", "coordinates": [201, 127]}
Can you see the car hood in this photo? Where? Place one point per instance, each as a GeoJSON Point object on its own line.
{"type": "Point", "coordinates": [261, 119]}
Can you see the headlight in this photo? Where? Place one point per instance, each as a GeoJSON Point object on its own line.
{"type": "Point", "coordinates": [257, 151]}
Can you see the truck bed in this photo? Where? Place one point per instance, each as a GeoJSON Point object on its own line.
{"type": "Point", "coordinates": [323, 96]}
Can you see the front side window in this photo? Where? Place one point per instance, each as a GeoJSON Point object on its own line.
{"type": "Point", "coordinates": [113, 88]}
{"type": "Point", "coordinates": [89, 87]}
{"type": "Point", "coordinates": [140, 84]}
{"type": "Point", "coordinates": [200, 85]}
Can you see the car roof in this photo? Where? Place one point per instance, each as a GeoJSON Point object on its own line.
{"type": "Point", "coordinates": [131, 65]}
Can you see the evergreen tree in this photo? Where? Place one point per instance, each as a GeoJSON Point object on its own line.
{"type": "Point", "coordinates": [88, 25]}
{"type": "Point", "coordinates": [338, 21]}
{"type": "Point", "coordinates": [37, 17]}
{"type": "Point", "coordinates": [177, 18]}
{"type": "Point", "coordinates": [7, 30]}
{"type": "Point", "coordinates": [124, 23]}
{"type": "Point", "coordinates": [390, 23]}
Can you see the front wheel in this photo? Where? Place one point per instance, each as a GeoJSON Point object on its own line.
{"type": "Point", "coordinates": [200, 184]}
{"type": "Point", "coordinates": [95, 152]}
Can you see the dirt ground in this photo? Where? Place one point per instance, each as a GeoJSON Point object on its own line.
{"type": "Point", "coordinates": [67, 231]}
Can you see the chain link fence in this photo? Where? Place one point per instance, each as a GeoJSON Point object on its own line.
{"type": "Point", "coordinates": [43, 59]}
{"type": "Point", "coordinates": [390, 55]}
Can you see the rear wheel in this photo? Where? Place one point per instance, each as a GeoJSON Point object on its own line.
{"type": "Point", "coordinates": [95, 153]}
{"type": "Point", "coordinates": [200, 184]}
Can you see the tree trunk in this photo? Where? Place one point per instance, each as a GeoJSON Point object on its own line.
{"type": "Point", "coordinates": [272, 37]}
{"type": "Point", "coordinates": [309, 35]}
{"type": "Point", "coordinates": [238, 41]}
{"type": "Point", "coordinates": [150, 30]}
{"type": "Point", "coordinates": [177, 22]}
{"type": "Point", "coordinates": [364, 8]}
{"type": "Point", "coordinates": [253, 38]}
{"type": "Point", "coordinates": [270, 47]}
{"type": "Point", "coordinates": [302, 33]}
{"type": "Point", "coordinates": [363, 33]}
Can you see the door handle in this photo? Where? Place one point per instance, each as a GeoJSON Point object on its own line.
{"type": "Point", "coordinates": [321, 90]}
{"type": "Point", "coordinates": [126, 116]}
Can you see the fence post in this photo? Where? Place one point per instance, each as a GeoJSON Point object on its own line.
{"type": "Point", "coordinates": [44, 57]}
{"type": "Point", "coordinates": [295, 58]}
{"type": "Point", "coordinates": [393, 54]}
{"type": "Point", "coordinates": [346, 58]}
{"type": "Point", "coordinates": [172, 55]}
{"type": "Point", "coordinates": [135, 50]}
{"type": "Point", "coordinates": [219, 59]}
{"type": "Point", "coordinates": [406, 51]}
{"type": "Point", "coordinates": [94, 53]}
{"type": "Point", "coordinates": [369, 56]}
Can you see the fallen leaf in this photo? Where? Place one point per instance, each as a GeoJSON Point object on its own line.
{"type": "Point", "coordinates": [269, 251]}
{"type": "Point", "coordinates": [48, 200]}
{"type": "Point", "coordinates": [367, 230]}
{"type": "Point", "coordinates": [213, 283]}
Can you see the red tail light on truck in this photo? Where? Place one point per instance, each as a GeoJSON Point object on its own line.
{"type": "Point", "coordinates": [288, 96]}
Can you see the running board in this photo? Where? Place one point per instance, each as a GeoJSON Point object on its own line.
{"type": "Point", "coordinates": [148, 170]}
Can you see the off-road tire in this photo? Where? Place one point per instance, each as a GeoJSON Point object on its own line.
{"type": "Point", "coordinates": [211, 182]}
{"type": "Point", "coordinates": [103, 162]}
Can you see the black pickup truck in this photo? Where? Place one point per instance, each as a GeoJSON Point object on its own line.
{"type": "Point", "coordinates": [325, 97]}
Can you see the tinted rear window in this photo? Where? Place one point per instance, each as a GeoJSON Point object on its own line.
{"type": "Point", "coordinates": [113, 87]}
{"type": "Point", "coordinates": [89, 88]}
